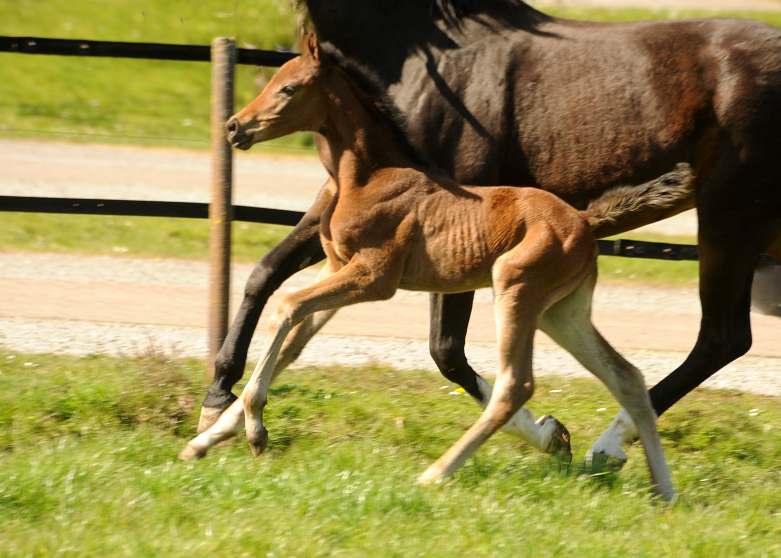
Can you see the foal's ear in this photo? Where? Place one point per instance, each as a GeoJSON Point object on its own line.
{"type": "Point", "coordinates": [311, 46]}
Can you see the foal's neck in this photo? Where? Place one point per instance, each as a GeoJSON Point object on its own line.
{"type": "Point", "coordinates": [361, 139]}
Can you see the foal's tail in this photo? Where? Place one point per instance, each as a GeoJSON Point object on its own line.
{"type": "Point", "coordinates": [653, 200]}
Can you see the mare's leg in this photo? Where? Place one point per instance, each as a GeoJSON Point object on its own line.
{"type": "Point", "coordinates": [449, 319]}
{"type": "Point", "coordinates": [568, 322]}
{"type": "Point", "coordinates": [300, 249]}
{"type": "Point", "coordinates": [734, 230]}
{"type": "Point", "coordinates": [353, 283]}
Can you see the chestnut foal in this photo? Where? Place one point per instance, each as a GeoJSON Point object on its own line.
{"type": "Point", "coordinates": [393, 223]}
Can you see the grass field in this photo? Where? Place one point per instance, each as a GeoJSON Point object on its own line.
{"type": "Point", "coordinates": [160, 102]}
{"type": "Point", "coordinates": [132, 236]}
{"type": "Point", "coordinates": [130, 101]}
{"type": "Point", "coordinates": [88, 468]}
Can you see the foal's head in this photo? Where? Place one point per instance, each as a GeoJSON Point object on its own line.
{"type": "Point", "coordinates": [291, 102]}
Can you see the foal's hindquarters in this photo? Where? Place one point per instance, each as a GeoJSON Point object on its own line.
{"type": "Point", "coordinates": [543, 271]}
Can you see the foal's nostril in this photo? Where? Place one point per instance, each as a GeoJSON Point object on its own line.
{"type": "Point", "coordinates": [232, 127]}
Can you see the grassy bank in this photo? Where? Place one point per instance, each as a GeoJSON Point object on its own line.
{"type": "Point", "coordinates": [132, 236]}
{"type": "Point", "coordinates": [160, 102]}
{"type": "Point", "coordinates": [130, 101]}
{"type": "Point", "coordinates": [88, 468]}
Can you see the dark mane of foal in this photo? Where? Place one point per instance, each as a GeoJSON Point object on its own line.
{"type": "Point", "coordinates": [367, 85]}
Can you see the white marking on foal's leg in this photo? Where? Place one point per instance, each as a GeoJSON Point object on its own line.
{"type": "Point", "coordinates": [229, 424]}
{"type": "Point", "coordinates": [607, 449]}
{"type": "Point", "coordinates": [546, 433]}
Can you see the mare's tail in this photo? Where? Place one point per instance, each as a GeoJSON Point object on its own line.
{"type": "Point", "coordinates": [642, 204]}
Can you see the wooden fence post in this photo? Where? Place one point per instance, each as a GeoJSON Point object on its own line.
{"type": "Point", "coordinates": [223, 59]}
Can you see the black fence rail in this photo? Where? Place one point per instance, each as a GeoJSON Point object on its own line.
{"type": "Point", "coordinates": [134, 208]}
{"type": "Point", "coordinates": [147, 51]}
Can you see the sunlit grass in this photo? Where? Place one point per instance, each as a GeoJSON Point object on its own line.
{"type": "Point", "coordinates": [619, 268]}
{"type": "Point", "coordinates": [163, 102]}
{"type": "Point", "coordinates": [88, 468]}
{"type": "Point", "coordinates": [136, 236]}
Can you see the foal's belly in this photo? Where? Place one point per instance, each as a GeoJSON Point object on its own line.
{"type": "Point", "coordinates": [442, 272]}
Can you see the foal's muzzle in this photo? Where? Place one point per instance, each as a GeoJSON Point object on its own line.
{"type": "Point", "coordinates": [236, 136]}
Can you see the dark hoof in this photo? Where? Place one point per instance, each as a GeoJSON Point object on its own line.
{"type": "Point", "coordinates": [559, 445]}
{"type": "Point", "coordinates": [599, 462]}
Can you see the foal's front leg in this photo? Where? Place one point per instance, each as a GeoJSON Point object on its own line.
{"type": "Point", "coordinates": [351, 284]}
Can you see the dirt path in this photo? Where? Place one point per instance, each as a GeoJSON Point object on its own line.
{"type": "Point", "coordinates": [125, 306]}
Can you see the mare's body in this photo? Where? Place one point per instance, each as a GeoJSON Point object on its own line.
{"type": "Point", "coordinates": [498, 93]}
{"type": "Point", "coordinates": [394, 224]}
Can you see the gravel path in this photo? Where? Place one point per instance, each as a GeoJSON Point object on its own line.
{"type": "Point", "coordinates": [759, 374]}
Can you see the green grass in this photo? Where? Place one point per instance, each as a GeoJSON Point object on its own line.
{"type": "Point", "coordinates": [592, 13]}
{"type": "Point", "coordinates": [131, 101]}
{"type": "Point", "coordinates": [136, 236]}
{"type": "Point", "coordinates": [161, 102]}
{"type": "Point", "coordinates": [643, 270]}
{"type": "Point", "coordinates": [88, 468]}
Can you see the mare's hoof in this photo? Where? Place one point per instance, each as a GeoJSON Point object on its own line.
{"type": "Point", "coordinates": [258, 442]}
{"type": "Point", "coordinates": [559, 439]}
{"type": "Point", "coordinates": [599, 461]}
{"type": "Point", "coordinates": [191, 452]}
{"type": "Point", "coordinates": [209, 416]}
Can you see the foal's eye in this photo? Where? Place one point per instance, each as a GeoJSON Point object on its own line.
{"type": "Point", "coordinates": [287, 90]}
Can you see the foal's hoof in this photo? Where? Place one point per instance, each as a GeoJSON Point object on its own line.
{"type": "Point", "coordinates": [431, 476]}
{"type": "Point", "coordinates": [191, 451]}
{"type": "Point", "coordinates": [209, 416]}
{"type": "Point", "coordinates": [558, 438]}
{"type": "Point", "coordinates": [258, 442]}
{"type": "Point", "coordinates": [599, 461]}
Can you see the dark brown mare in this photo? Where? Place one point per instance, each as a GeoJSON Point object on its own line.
{"type": "Point", "coordinates": [395, 223]}
{"type": "Point", "coordinates": [495, 92]}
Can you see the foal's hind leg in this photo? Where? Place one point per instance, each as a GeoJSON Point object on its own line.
{"type": "Point", "coordinates": [449, 315]}
{"type": "Point", "coordinates": [729, 250]}
{"type": "Point", "coordinates": [568, 322]}
{"type": "Point", "coordinates": [514, 385]}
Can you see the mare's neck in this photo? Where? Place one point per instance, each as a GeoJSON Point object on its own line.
{"type": "Point", "coordinates": [360, 139]}
{"type": "Point", "coordinates": [384, 34]}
